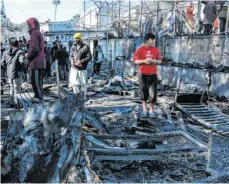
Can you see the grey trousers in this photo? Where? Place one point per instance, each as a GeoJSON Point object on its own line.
{"type": "Point", "coordinates": [62, 71]}
{"type": "Point", "coordinates": [15, 88]}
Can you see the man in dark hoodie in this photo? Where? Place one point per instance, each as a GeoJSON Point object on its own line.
{"type": "Point", "coordinates": [36, 57]}
{"type": "Point", "coordinates": [210, 14]}
{"type": "Point", "coordinates": [62, 56]}
{"type": "Point", "coordinates": [14, 60]}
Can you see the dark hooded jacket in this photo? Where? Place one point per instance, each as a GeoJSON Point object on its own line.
{"type": "Point", "coordinates": [36, 55]}
{"type": "Point", "coordinates": [62, 56]}
{"type": "Point", "coordinates": [13, 59]}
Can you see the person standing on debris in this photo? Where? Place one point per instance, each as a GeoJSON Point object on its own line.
{"type": "Point", "coordinates": [14, 60]}
{"type": "Point", "coordinates": [223, 16]}
{"type": "Point", "coordinates": [168, 29]}
{"type": "Point", "coordinates": [80, 55]}
{"type": "Point", "coordinates": [48, 60]}
{"type": "Point", "coordinates": [54, 49]}
{"type": "Point", "coordinates": [2, 49]}
{"type": "Point", "coordinates": [23, 47]}
{"type": "Point", "coordinates": [36, 58]}
{"type": "Point", "coordinates": [98, 58]}
{"type": "Point", "coordinates": [146, 57]}
{"type": "Point", "coordinates": [3, 71]}
{"type": "Point", "coordinates": [210, 14]}
{"type": "Point", "coordinates": [190, 14]}
{"type": "Point", "coordinates": [62, 56]}
{"type": "Point", "coordinates": [67, 60]}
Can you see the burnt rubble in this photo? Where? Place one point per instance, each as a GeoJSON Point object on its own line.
{"type": "Point", "coordinates": [105, 140]}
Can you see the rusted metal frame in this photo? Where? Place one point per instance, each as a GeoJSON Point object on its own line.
{"type": "Point", "coordinates": [156, 135]}
{"type": "Point", "coordinates": [193, 108]}
{"type": "Point", "coordinates": [196, 141]}
{"type": "Point", "coordinates": [144, 157]}
{"type": "Point", "coordinates": [204, 114]}
{"type": "Point", "coordinates": [201, 111]}
{"type": "Point", "coordinates": [216, 116]}
{"type": "Point", "coordinates": [218, 119]}
{"type": "Point", "coordinates": [193, 105]}
{"type": "Point", "coordinates": [215, 123]}
{"type": "Point", "coordinates": [137, 137]}
{"type": "Point", "coordinates": [197, 109]}
{"type": "Point", "coordinates": [128, 157]}
{"type": "Point", "coordinates": [209, 125]}
{"type": "Point", "coordinates": [190, 138]}
{"type": "Point", "coordinates": [143, 151]}
{"type": "Point", "coordinates": [203, 122]}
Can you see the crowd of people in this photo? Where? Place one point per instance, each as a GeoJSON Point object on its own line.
{"type": "Point", "coordinates": [33, 60]}
{"type": "Point", "coordinates": [212, 19]}
{"type": "Point", "coordinates": [36, 59]}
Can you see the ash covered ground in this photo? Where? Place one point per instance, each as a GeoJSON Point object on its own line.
{"type": "Point", "coordinates": [111, 109]}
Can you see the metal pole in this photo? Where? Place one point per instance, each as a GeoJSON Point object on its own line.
{"type": "Point", "coordinates": [119, 12]}
{"type": "Point", "coordinates": [90, 18]}
{"type": "Point", "coordinates": [97, 20]}
{"type": "Point", "coordinates": [199, 18]}
{"type": "Point", "coordinates": [108, 8]}
{"type": "Point", "coordinates": [8, 31]}
{"type": "Point", "coordinates": [56, 62]}
{"type": "Point", "coordinates": [84, 15]}
{"type": "Point", "coordinates": [112, 12]}
{"type": "Point", "coordinates": [140, 28]}
{"type": "Point", "coordinates": [227, 20]}
{"type": "Point", "coordinates": [55, 13]}
{"type": "Point", "coordinates": [174, 14]}
{"type": "Point", "coordinates": [129, 21]}
{"type": "Point", "coordinates": [156, 29]}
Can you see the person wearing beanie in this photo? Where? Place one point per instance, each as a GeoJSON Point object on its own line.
{"type": "Point", "coordinates": [80, 55]}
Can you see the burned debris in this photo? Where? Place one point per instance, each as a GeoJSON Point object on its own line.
{"type": "Point", "coordinates": [107, 140]}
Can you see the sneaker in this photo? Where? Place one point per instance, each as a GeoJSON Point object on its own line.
{"type": "Point", "coordinates": [144, 114]}
{"type": "Point", "coordinates": [152, 114]}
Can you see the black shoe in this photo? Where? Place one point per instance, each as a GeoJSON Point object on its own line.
{"type": "Point", "coordinates": [12, 105]}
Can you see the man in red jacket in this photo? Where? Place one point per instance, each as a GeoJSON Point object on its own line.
{"type": "Point", "coordinates": [146, 57]}
{"type": "Point", "coordinates": [36, 58]}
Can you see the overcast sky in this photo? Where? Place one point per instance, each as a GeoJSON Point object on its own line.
{"type": "Point", "coordinates": [20, 10]}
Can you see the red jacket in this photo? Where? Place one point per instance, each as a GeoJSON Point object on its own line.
{"type": "Point", "coordinates": [36, 55]}
{"type": "Point", "coordinates": [144, 52]}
